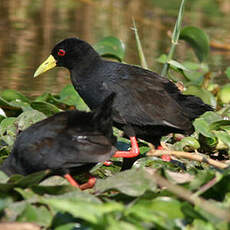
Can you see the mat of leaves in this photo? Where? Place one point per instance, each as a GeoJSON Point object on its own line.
{"type": "Point", "coordinates": [193, 196]}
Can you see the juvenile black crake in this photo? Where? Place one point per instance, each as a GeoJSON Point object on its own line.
{"type": "Point", "coordinates": [70, 142]}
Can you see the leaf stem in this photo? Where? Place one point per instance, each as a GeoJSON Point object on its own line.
{"type": "Point", "coordinates": [139, 47]}
{"type": "Point", "coordinates": [188, 155]}
{"type": "Point", "coordinates": [175, 38]}
{"type": "Point", "coordinates": [187, 195]}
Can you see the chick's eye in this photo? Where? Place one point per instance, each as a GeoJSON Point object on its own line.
{"type": "Point", "coordinates": [61, 52]}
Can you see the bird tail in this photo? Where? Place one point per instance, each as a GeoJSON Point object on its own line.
{"type": "Point", "coordinates": [103, 114]}
{"type": "Point", "coordinates": [193, 106]}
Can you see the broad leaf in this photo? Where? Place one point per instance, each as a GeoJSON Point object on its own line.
{"type": "Point", "coordinates": [39, 215]}
{"type": "Point", "coordinates": [45, 107]}
{"type": "Point", "coordinates": [12, 95]}
{"type": "Point", "coordinates": [111, 47]}
{"type": "Point", "coordinates": [69, 96]}
{"type": "Point", "coordinates": [163, 211]}
{"type": "Point", "coordinates": [204, 94]}
{"type": "Point", "coordinates": [178, 65]}
{"type": "Point", "coordinates": [187, 143]}
{"type": "Point", "coordinates": [202, 126]}
{"type": "Point", "coordinates": [132, 182]}
{"type": "Point", "coordinates": [26, 119]}
{"type": "Point", "coordinates": [197, 39]}
{"type": "Point", "coordinates": [227, 72]}
{"type": "Point", "coordinates": [224, 94]}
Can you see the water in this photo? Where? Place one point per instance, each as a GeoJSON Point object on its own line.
{"type": "Point", "coordinates": [29, 29]}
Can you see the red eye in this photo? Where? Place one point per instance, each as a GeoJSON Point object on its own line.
{"type": "Point", "coordinates": [61, 52]}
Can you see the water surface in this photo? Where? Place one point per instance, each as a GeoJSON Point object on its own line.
{"type": "Point", "coordinates": [29, 29]}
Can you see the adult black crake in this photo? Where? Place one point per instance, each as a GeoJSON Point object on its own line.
{"type": "Point", "coordinates": [147, 105]}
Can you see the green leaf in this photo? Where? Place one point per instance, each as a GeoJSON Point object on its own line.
{"type": "Point", "coordinates": [224, 94]}
{"type": "Point", "coordinates": [163, 211]}
{"type": "Point", "coordinates": [54, 189]}
{"type": "Point", "coordinates": [196, 72]}
{"type": "Point", "coordinates": [3, 177]}
{"type": "Point", "coordinates": [69, 96]}
{"type": "Point", "coordinates": [12, 95]}
{"type": "Point", "coordinates": [200, 224]}
{"type": "Point", "coordinates": [82, 208]}
{"type": "Point", "coordinates": [111, 47]}
{"type": "Point", "coordinates": [219, 124]}
{"type": "Point", "coordinates": [224, 137]}
{"type": "Point", "coordinates": [4, 203]}
{"type": "Point", "coordinates": [29, 180]}
{"type": "Point", "coordinates": [227, 72]}
{"type": "Point", "coordinates": [69, 226]}
{"type": "Point", "coordinates": [20, 181]}
{"type": "Point", "coordinates": [14, 210]}
{"type": "Point", "coordinates": [27, 118]}
{"type": "Point", "coordinates": [177, 65]}
{"type": "Point", "coordinates": [7, 105]}
{"type": "Point", "coordinates": [132, 182]}
{"type": "Point", "coordinates": [202, 126]}
{"type": "Point", "coordinates": [79, 196]}
{"type": "Point", "coordinates": [202, 177]}
{"type": "Point", "coordinates": [8, 130]}
{"type": "Point", "coordinates": [20, 104]}
{"type": "Point", "coordinates": [162, 59]}
{"type": "Point", "coordinates": [197, 39]}
{"type": "Point", "coordinates": [45, 107]}
{"type": "Point", "coordinates": [43, 97]}
{"type": "Point", "coordinates": [39, 215]}
{"type": "Point", "coordinates": [7, 126]}
{"type": "Point", "coordinates": [204, 94]}
{"type": "Point", "coordinates": [187, 143]}
{"type": "Point", "coordinates": [211, 117]}
{"type": "Point", "coordinates": [113, 224]}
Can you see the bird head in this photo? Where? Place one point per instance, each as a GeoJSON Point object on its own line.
{"type": "Point", "coordinates": [66, 54]}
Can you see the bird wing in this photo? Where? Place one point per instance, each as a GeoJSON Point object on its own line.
{"type": "Point", "coordinates": [143, 98]}
{"type": "Point", "coordinates": [78, 148]}
{"type": "Point", "coordinates": [55, 144]}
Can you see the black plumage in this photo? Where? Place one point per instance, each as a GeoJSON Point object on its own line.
{"type": "Point", "coordinates": [68, 142]}
{"type": "Point", "coordinates": [146, 104]}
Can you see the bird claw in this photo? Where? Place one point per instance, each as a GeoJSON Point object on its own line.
{"type": "Point", "coordinates": [133, 152]}
{"type": "Point", "coordinates": [89, 184]}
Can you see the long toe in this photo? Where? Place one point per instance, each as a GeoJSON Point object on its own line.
{"type": "Point", "coordinates": [89, 184]}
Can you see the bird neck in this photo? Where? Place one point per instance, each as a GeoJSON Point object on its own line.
{"type": "Point", "coordinates": [85, 81]}
{"type": "Point", "coordinates": [85, 62]}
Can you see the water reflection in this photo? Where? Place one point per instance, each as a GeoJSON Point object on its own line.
{"type": "Point", "coordinates": [29, 29]}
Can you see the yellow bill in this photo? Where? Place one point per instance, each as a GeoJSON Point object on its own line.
{"type": "Point", "coordinates": [49, 63]}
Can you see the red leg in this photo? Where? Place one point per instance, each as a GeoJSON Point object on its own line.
{"type": "Point", "coordinates": [108, 163]}
{"type": "Point", "coordinates": [71, 180]}
{"type": "Point", "coordinates": [133, 152]}
{"type": "Point", "coordinates": [165, 157]}
{"type": "Point", "coordinates": [89, 184]}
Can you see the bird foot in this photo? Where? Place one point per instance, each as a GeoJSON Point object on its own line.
{"type": "Point", "coordinates": [89, 184]}
{"type": "Point", "coordinates": [133, 152]}
{"type": "Point", "coordinates": [164, 157]}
